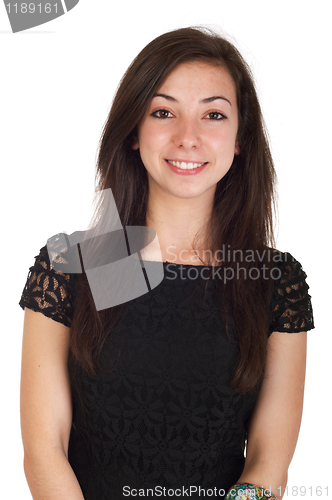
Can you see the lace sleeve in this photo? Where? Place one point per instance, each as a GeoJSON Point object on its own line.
{"type": "Point", "coordinates": [291, 304]}
{"type": "Point", "coordinates": [48, 291]}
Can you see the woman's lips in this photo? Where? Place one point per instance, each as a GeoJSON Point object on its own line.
{"type": "Point", "coordinates": [186, 167]}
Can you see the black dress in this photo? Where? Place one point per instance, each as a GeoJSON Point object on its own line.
{"type": "Point", "coordinates": [165, 421]}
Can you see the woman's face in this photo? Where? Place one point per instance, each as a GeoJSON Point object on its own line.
{"type": "Point", "coordinates": [187, 136]}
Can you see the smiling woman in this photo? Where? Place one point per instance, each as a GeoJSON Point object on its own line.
{"type": "Point", "coordinates": [197, 385]}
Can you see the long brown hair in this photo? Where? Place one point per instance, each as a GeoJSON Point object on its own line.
{"type": "Point", "coordinates": [242, 217]}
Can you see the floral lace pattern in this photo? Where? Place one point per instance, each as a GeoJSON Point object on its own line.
{"type": "Point", "coordinates": [49, 292]}
{"type": "Point", "coordinates": [165, 415]}
{"type": "Point", "coordinates": [291, 305]}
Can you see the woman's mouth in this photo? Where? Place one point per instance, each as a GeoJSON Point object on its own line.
{"type": "Point", "coordinates": [186, 167]}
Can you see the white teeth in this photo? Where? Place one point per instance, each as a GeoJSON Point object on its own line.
{"type": "Point", "coordinates": [185, 166]}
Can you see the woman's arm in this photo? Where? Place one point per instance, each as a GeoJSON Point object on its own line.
{"type": "Point", "coordinates": [46, 409]}
{"type": "Point", "coordinates": [275, 422]}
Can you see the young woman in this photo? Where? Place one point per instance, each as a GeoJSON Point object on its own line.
{"type": "Point", "coordinates": [196, 387]}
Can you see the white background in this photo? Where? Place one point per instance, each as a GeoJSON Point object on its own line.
{"type": "Point", "coordinates": [57, 83]}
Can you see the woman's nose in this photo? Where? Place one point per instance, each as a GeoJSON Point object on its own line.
{"type": "Point", "coordinates": [187, 134]}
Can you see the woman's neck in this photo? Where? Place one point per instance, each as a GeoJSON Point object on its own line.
{"type": "Point", "coordinates": [181, 226]}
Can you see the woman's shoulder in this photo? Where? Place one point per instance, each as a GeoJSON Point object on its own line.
{"type": "Point", "coordinates": [48, 289]}
{"type": "Point", "coordinates": [291, 303]}
{"type": "Point", "coordinates": [54, 265]}
{"type": "Point", "coordinates": [283, 265]}
{"type": "Point", "coordinates": [287, 272]}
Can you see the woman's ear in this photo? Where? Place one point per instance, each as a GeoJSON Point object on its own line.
{"type": "Point", "coordinates": [237, 149]}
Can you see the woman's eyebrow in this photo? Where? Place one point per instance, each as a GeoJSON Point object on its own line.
{"type": "Point", "coordinates": [203, 101]}
{"type": "Point", "coordinates": [165, 96]}
{"type": "Point", "coordinates": [214, 98]}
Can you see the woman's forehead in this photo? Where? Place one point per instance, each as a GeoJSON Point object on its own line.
{"type": "Point", "coordinates": [199, 78]}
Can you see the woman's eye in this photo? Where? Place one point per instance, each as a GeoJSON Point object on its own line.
{"type": "Point", "coordinates": [215, 115]}
{"type": "Point", "coordinates": [162, 113]}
